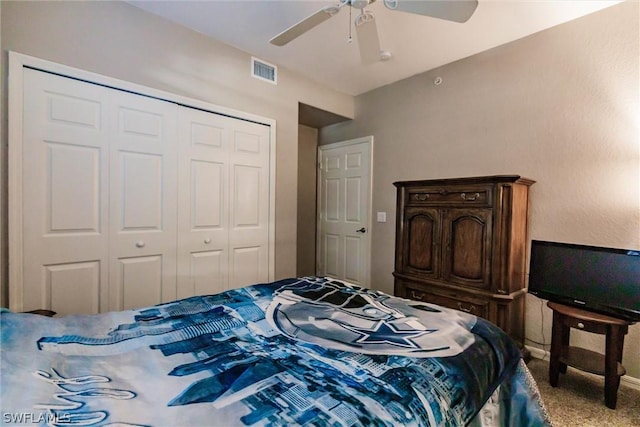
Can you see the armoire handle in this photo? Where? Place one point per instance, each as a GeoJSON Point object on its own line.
{"type": "Point", "coordinates": [470, 198]}
{"type": "Point", "coordinates": [467, 309]}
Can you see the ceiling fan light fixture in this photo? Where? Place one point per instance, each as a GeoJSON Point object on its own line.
{"type": "Point", "coordinates": [331, 10]}
{"type": "Point", "coordinates": [391, 4]}
{"type": "Point", "coordinates": [367, 32]}
{"type": "Point", "coordinates": [364, 17]}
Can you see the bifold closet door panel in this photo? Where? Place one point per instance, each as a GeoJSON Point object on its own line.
{"type": "Point", "coordinates": [203, 200]}
{"type": "Point", "coordinates": [99, 197]}
{"type": "Point", "coordinates": [65, 194]}
{"type": "Point", "coordinates": [143, 193]}
{"type": "Point", "coordinates": [248, 203]}
{"type": "Point", "coordinates": [223, 208]}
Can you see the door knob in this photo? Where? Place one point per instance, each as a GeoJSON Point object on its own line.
{"type": "Point", "coordinates": [362, 230]}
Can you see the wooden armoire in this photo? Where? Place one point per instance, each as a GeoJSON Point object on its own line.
{"type": "Point", "coordinates": [461, 243]}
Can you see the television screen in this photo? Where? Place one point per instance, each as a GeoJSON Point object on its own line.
{"type": "Point", "coordinates": [604, 280]}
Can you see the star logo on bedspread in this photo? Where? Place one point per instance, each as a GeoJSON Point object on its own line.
{"type": "Point", "coordinates": [386, 333]}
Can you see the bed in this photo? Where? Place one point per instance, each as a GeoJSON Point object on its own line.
{"type": "Point", "coordinates": [301, 351]}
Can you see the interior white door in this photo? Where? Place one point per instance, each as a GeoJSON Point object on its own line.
{"type": "Point", "coordinates": [344, 210]}
{"type": "Point", "coordinates": [143, 212]}
{"type": "Point", "coordinates": [65, 194]}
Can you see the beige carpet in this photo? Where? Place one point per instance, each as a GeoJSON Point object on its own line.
{"type": "Point", "coordinates": [579, 399]}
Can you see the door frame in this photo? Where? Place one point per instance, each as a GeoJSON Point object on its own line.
{"type": "Point", "coordinates": [366, 140]}
{"type": "Point", "coordinates": [17, 63]}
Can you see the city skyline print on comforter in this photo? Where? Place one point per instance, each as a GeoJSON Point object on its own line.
{"type": "Point", "coordinates": [304, 351]}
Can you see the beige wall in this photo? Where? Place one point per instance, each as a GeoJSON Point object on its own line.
{"type": "Point", "coordinates": [560, 107]}
{"type": "Point", "coordinates": [121, 41]}
{"type": "Point", "coordinates": [307, 160]}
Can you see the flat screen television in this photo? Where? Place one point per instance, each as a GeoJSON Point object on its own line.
{"type": "Point", "coordinates": [603, 280]}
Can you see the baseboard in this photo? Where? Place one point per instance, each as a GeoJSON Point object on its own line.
{"type": "Point", "coordinates": [628, 381]}
{"type": "Point", "coordinates": [538, 353]}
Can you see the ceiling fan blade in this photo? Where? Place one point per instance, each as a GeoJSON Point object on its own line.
{"type": "Point", "coordinates": [305, 25]}
{"type": "Point", "coordinates": [451, 10]}
{"type": "Point", "coordinates": [368, 41]}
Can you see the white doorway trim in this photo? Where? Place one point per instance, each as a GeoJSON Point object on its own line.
{"type": "Point", "coordinates": [365, 257]}
{"type": "Point", "coordinates": [17, 63]}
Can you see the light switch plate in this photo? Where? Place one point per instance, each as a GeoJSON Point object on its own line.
{"type": "Point", "coordinates": [382, 217]}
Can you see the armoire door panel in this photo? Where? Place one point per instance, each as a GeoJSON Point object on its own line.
{"type": "Point", "coordinates": [468, 247]}
{"type": "Point", "coordinates": [73, 288]}
{"type": "Point", "coordinates": [64, 194]}
{"type": "Point", "coordinates": [421, 233]}
{"type": "Point", "coordinates": [421, 243]}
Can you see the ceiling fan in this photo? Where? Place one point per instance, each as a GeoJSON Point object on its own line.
{"type": "Point", "coordinates": [365, 24]}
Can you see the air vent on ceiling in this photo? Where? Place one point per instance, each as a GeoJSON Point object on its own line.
{"type": "Point", "coordinates": [264, 71]}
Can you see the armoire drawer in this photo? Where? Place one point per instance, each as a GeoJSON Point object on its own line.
{"type": "Point", "coordinates": [471, 305]}
{"type": "Point", "coordinates": [463, 196]}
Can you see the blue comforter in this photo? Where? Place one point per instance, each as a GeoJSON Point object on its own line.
{"type": "Point", "coordinates": [307, 351]}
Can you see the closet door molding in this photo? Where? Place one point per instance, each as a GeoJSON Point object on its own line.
{"type": "Point", "coordinates": [18, 63]}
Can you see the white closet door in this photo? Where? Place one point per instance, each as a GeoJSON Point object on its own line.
{"type": "Point", "coordinates": [64, 188]}
{"type": "Point", "coordinates": [248, 203]}
{"type": "Point", "coordinates": [142, 201]}
{"type": "Point", "coordinates": [203, 200]}
{"type": "Point", "coordinates": [223, 208]}
{"type": "Point", "coordinates": [130, 201]}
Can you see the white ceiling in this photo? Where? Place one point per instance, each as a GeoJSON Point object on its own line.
{"type": "Point", "coordinates": [417, 43]}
